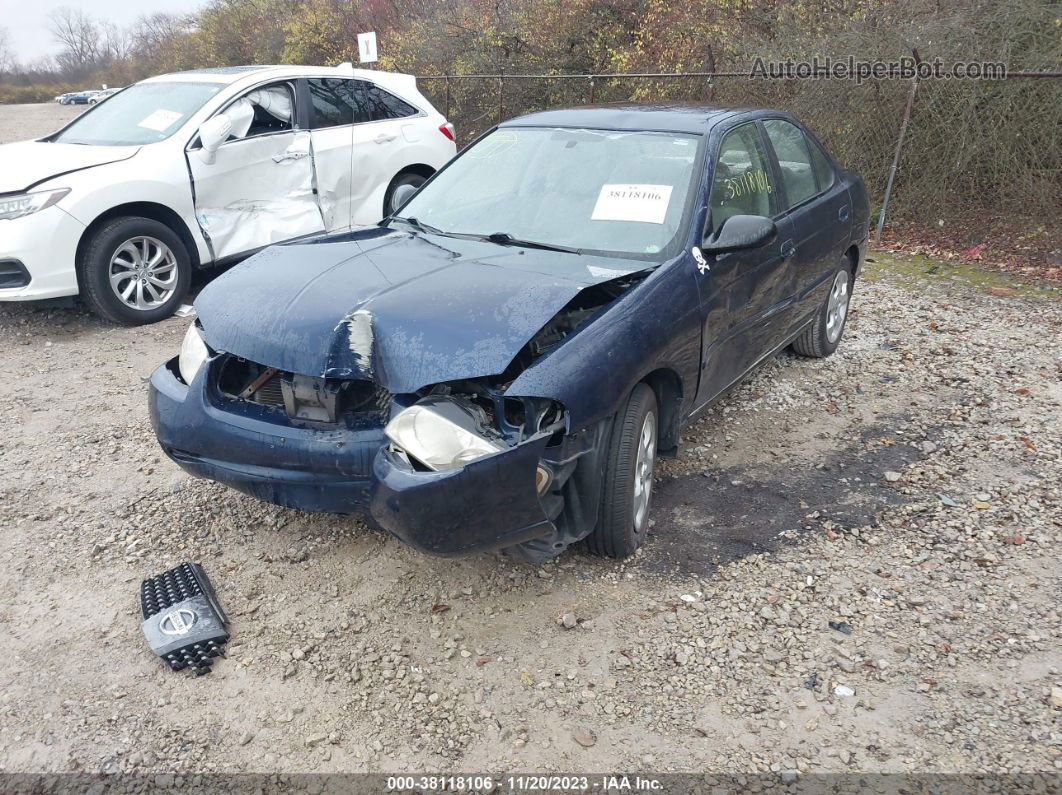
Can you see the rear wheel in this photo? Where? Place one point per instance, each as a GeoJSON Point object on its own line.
{"type": "Point", "coordinates": [134, 271]}
{"type": "Point", "coordinates": [626, 493]}
{"type": "Point", "coordinates": [822, 337]}
{"type": "Point", "coordinates": [401, 188]}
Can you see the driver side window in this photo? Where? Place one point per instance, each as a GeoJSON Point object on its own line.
{"type": "Point", "coordinates": [263, 111]}
{"type": "Point", "coordinates": [742, 179]}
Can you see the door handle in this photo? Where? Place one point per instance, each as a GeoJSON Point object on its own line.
{"type": "Point", "coordinates": [384, 138]}
{"type": "Point", "coordinates": [842, 214]}
{"type": "Point", "coordinates": [289, 156]}
{"type": "Point", "coordinates": [788, 249]}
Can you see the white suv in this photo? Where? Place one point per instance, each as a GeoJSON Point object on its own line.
{"type": "Point", "coordinates": [207, 167]}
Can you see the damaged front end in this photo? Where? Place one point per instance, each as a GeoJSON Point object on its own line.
{"type": "Point", "coordinates": [456, 466]}
{"type": "Point", "coordinates": [465, 461]}
{"type": "Point", "coordinates": [521, 451]}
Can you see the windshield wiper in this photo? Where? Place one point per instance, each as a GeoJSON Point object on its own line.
{"type": "Point", "coordinates": [418, 225]}
{"type": "Point", "coordinates": [505, 239]}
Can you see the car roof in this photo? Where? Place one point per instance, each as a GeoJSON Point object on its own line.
{"type": "Point", "coordinates": [234, 74]}
{"type": "Point", "coordinates": [661, 117]}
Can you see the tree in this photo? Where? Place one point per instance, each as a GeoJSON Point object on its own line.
{"type": "Point", "coordinates": [7, 56]}
{"type": "Point", "coordinates": [80, 37]}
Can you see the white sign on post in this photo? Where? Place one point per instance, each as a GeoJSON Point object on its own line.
{"type": "Point", "coordinates": [367, 47]}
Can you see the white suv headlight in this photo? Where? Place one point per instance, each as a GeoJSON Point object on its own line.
{"type": "Point", "coordinates": [424, 432]}
{"type": "Point", "coordinates": [193, 353]}
{"type": "Point", "coordinates": [29, 203]}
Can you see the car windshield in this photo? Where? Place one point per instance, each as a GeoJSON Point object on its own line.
{"type": "Point", "coordinates": [597, 191]}
{"type": "Point", "coordinates": [141, 114]}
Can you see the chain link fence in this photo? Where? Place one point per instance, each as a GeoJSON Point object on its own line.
{"type": "Point", "coordinates": [973, 149]}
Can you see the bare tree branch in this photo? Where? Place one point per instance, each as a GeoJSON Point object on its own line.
{"type": "Point", "coordinates": [80, 37]}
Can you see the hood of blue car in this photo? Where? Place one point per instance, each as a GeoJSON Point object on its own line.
{"type": "Point", "coordinates": [405, 310]}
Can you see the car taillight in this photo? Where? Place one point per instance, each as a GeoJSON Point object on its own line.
{"type": "Point", "coordinates": [447, 129]}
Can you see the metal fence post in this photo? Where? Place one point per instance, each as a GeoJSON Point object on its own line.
{"type": "Point", "coordinates": [501, 99]}
{"type": "Point", "coordinates": [447, 82]}
{"type": "Point", "coordinates": [896, 158]}
{"type": "Point", "coordinates": [591, 99]}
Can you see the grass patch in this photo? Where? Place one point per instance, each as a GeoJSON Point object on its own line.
{"type": "Point", "coordinates": [913, 270]}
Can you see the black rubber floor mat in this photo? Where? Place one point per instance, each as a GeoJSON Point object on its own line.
{"type": "Point", "coordinates": [183, 622]}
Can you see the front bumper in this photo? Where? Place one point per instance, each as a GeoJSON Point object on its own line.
{"type": "Point", "coordinates": [489, 504]}
{"type": "Point", "coordinates": [44, 245]}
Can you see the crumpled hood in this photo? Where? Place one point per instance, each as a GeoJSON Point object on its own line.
{"type": "Point", "coordinates": [29, 162]}
{"type": "Point", "coordinates": [404, 310]}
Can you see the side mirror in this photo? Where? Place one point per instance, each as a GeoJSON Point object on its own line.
{"type": "Point", "coordinates": [212, 134]}
{"type": "Point", "coordinates": [740, 232]}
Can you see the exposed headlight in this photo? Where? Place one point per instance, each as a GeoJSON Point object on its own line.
{"type": "Point", "coordinates": [29, 203]}
{"type": "Point", "coordinates": [193, 353]}
{"type": "Point", "coordinates": [438, 435]}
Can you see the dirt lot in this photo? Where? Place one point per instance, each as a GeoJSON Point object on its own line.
{"type": "Point", "coordinates": [21, 122]}
{"type": "Point", "coordinates": [906, 490]}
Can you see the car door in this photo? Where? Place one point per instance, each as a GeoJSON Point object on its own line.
{"type": "Point", "coordinates": [331, 110]}
{"type": "Point", "coordinates": [817, 208]}
{"type": "Point", "coordinates": [259, 188]}
{"type": "Point", "coordinates": [741, 291]}
{"type": "Point", "coordinates": [381, 133]}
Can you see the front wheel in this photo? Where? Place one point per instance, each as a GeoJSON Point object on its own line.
{"type": "Point", "coordinates": [627, 490]}
{"type": "Point", "coordinates": [822, 337]}
{"type": "Point", "coordinates": [134, 271]}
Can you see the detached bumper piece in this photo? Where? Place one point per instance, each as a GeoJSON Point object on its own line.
{"type": "Point", "coordinates": [183, 622]}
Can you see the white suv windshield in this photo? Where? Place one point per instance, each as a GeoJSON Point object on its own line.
{"type": "Point", "coordinates": [141, 114]}
{"type": "Point", "coordinates": [602, 191]}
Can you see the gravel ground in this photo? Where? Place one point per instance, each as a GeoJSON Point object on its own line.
{"type": "Point", "coordinates": [906, 489]}
{"type": "Point", "coordinates": [21, 122]}
{"type": "Point", "coordinates": [853, 567]}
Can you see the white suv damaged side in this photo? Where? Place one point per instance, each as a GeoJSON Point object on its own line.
{"type": "Point", "coordinates": [207, 167]}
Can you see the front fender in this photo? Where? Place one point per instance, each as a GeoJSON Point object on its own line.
{"type": "Point", "coordinates": [656, 324]}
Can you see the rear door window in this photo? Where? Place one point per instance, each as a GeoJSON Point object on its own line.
{"type": "Point", "coordinates": [331, 102]}
{"type": "Point", "coordinates": [794, 160]}
{"type": "Point", "coordinates": [372, 103]}
{"type": "Point", "coordinates": [821, 164]}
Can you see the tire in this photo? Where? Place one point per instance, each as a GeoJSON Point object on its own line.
{"type": "Point", "coordinates": [621, 523]}
{"type": "Point", "coordinates": [401, 188]}
{"type": "Point", "coordinates": [118, 247]}
{"type": "Point", "coordinates": [824, 333]}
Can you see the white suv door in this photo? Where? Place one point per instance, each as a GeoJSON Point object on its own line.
{"type": "Point", "coordinates": [382, 134]}
{"type": "Point", "coordinates": [259, 189]}
{"type": "Point", "coordinates": [331, 101]}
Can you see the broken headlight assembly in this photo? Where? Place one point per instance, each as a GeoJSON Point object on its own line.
{"type": "Point", "coordinates": [194, 352]}
{"type": "Point", "coordinates": [12, 207]}
{"type": "Point", "coordinates": [443, 433]}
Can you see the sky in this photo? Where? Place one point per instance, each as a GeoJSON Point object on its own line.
{"type": "Point", "coordinates": [27, 20]}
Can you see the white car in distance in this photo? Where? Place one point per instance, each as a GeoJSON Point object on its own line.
{"type": "Point", "coordinates": [207, 167]}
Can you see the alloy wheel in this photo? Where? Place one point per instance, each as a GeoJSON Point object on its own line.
{"type": "Point", "coordinates": [837, 306]}
{"type": "Point", "coordinates": [143, 273]}
{"type": "Point", "coordinates": [643, 470]}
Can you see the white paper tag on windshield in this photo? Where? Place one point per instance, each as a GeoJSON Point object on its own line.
{"type": "Point", "coordinates": [160, 120]}
{"type": "Point", "coordinates": [647, 203]}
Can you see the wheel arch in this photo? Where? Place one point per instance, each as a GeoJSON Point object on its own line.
{"type": "Point", "coordinates": [423, 169]}
{"type": "Point", "coordinates": [152, 210]}
{"type": "Point", "coordinates": [852, 255]}
{"type": "Point", "coordinates": [667, 386]}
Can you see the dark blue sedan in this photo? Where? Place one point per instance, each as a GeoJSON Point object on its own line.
{"type": "Point", "coordinates": [499, 365]}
